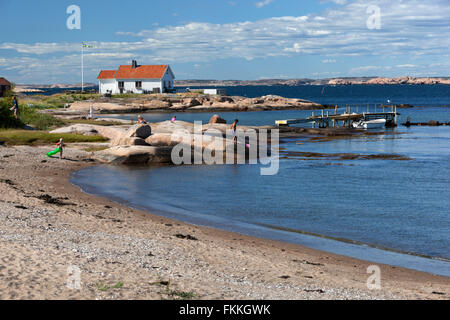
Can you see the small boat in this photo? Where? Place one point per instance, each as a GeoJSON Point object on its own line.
{"type": "Point", "coordinates": [371, 124]}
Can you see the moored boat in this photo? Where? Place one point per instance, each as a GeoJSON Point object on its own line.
{"type": "Point", "coordinates": [371, 124]}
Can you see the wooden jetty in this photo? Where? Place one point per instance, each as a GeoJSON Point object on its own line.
{"type": "Point", "coordinates": [348, 117]}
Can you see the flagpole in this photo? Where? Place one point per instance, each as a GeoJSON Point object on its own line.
{"type": "Point", "coordinates": [82, 67]}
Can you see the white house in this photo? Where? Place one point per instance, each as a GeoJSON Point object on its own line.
{"type": "Point", "coordinates": [136, 79]}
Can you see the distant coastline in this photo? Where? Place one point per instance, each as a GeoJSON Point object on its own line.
{"type": "Point", "coordinates": [266, 82]}
{"type": "Point", "coordinates": [305, 81]}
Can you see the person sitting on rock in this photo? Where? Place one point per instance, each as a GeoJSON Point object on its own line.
{"type": "Point", "coordinates": [174, 118]}
{"type": "Point", "coordinates": [141, 120]}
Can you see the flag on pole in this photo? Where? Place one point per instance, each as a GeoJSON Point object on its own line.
{"type": "Point", "coordinates": [83, 45]}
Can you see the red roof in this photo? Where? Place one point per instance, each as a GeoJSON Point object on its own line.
{"type": "Point", "coordinates": [106, 74]}
{"type": "Point", "coordinates": [4, 82]}
{"type": "Point", "coordinates": [141, 72]}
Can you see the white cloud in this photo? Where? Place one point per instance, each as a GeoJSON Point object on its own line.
{"type": "Point", "coordinates": [263, 3]}
{"type": "Point", "coordinates": [341, 2]}
{"type": "Point", "coordinates": [329, 61]}
{"type": "Point", "coordinates": [408, 28]}
{"type": "Point", "coordinates": [338, 32]}
{"type": "Point", "coordinates": [364, 69]}
{"type": "Point", "coordinates": [368, 70]}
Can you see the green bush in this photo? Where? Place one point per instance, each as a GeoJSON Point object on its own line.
{"type": "Point", "coordinates": [7, 119]}
{"type": "Point", "coordinates": [40, 121]}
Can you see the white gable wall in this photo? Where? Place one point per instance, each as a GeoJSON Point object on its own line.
{"type": "Point", "coordinates": [168, 78]}
{"type": "Point", "coordinates": [106, 85]}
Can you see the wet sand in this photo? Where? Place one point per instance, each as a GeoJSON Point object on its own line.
{"type": "Point", "coordinates": [48, 225]}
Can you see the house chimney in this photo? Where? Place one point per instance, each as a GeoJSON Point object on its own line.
{"type": "Point", "coordinates": [134, 64]}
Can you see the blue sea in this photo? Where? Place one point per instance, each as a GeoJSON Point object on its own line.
{"type": "Point", "coordinates": [386, 211]}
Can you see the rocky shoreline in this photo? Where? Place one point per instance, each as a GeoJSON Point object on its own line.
{"type": "Point", "coordinates": [190, 103]}
{"type": "Point", "coordinates": [153, 143]}
{"type": "Point", "coordinates": [431, 123]}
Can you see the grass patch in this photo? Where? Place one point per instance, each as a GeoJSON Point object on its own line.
{"type": "Point", "coordinates": [36, 138]}
{"type": "Point", "coordinates": [182, 294]}
{"type": "Point", "coordinates": [186, 295]}
{"type": "Point", "coordinates": [193, 93]}
{"type": "Point", "coordinates": [93, 122]}
{"type": "Point", "coordinates": [40, 121]}
{"type": "Point", "coordinates": [27, 115]}
{"type": "Point", "coordinates": [58, 100]}
{"type": "Point", "coordinates": [127, 95]}
{"type": "Point", "coordinates": [102, 287]}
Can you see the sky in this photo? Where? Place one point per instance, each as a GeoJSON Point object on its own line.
{"type": "Point", "coordinates": [40, 41]}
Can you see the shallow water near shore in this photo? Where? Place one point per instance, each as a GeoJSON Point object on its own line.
{"type": "Point", "coordinates": [387, 211]}
{"type": "Point", "coordinates": [348, 205]}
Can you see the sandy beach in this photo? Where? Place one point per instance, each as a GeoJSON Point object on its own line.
{"type": "Point", "coordinates": [48, 225]}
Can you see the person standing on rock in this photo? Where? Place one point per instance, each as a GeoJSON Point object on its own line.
{"type": "Point", "coordinates": [233, 130]}
{"type": "Point", "coordinates": [91, 112]}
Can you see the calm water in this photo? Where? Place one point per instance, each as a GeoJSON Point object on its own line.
{"type": "Point", "coordinates": [417, 95]}
{"type": "Point", "coordinates": [431, 102]}
{"type": "Point", "coordinates": [396, 205]}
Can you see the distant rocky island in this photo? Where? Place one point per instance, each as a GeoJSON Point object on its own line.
{"type": "Point", "coordinates": [27, 88]}
{"type": "Point", "coordinates": [264, 82]}
{"type": "Point", "coordinates": [306, 81]}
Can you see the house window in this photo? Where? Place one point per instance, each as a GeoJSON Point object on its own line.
{"type": "Point", "coordinates": [138, 84]}
{"type": "Point", "coordinates": [121, 84]}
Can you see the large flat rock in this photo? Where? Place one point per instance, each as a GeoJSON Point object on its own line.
{"type": "Point", "coordinates": [135, 155]}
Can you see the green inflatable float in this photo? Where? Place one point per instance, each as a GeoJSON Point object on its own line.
{"type": "Point", "coordinates": [51, 153]}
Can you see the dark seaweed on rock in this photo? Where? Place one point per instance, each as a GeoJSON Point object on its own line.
{"type": "Point", "coordinates": [340, 156]}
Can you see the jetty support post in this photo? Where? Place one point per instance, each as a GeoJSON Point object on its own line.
{"type": "Point", "coordinates": [395, 115]}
